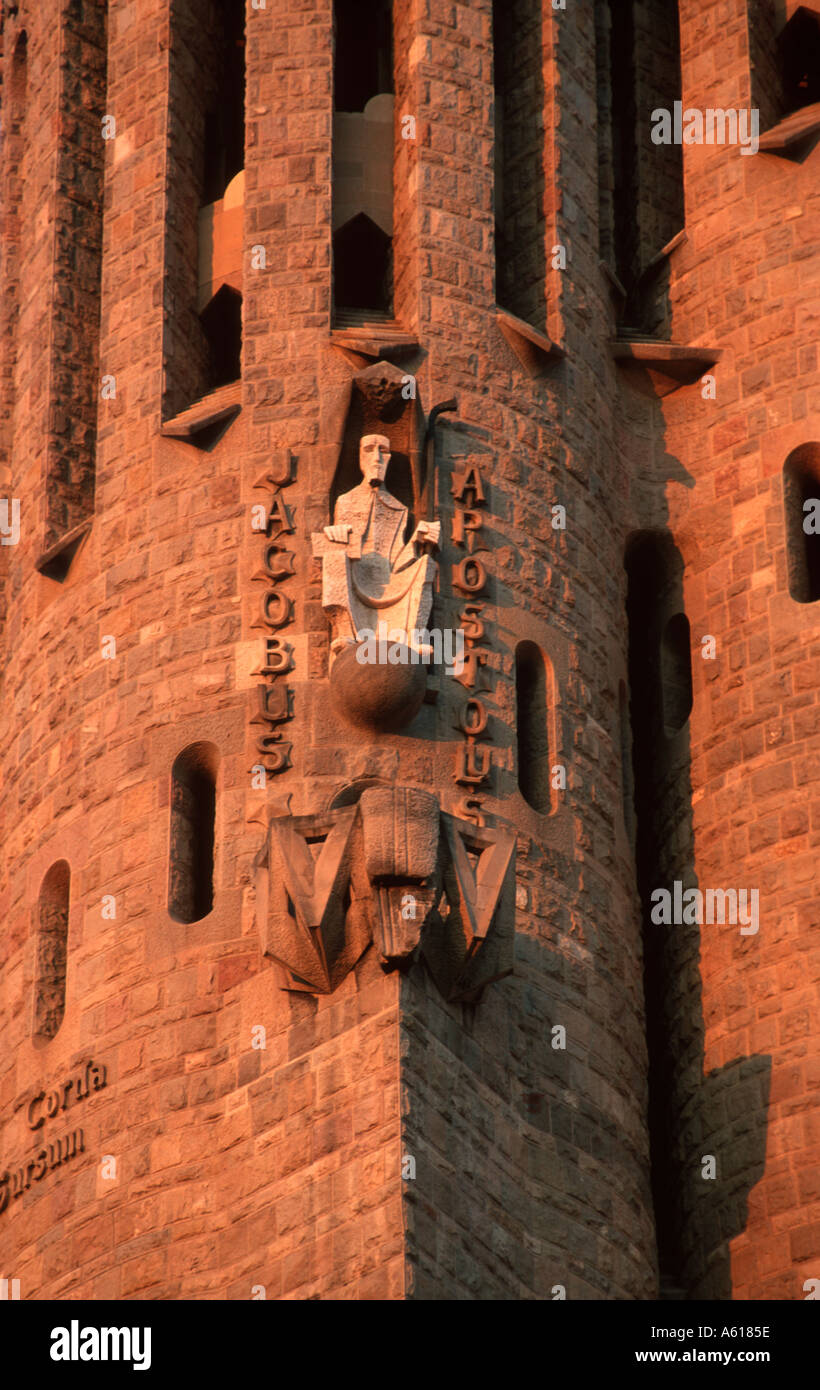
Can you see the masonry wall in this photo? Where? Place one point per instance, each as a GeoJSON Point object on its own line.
{"type": "Point", "coordinates": [234, 1167]}
{"type": "Point", "coordinates": [491, 1108]}
{"type": "Point", "coordinates": [239, 1167]}
{"type": "Point", "coordinates": [745, 280]}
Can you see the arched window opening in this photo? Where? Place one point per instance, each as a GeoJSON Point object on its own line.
{"type": "Point", "coordinates": [193, 816]}
{"type": "Point", "coordinates": [801, 500]}
{"type": "Point", "coordinates": [362, 163]}
{"type": "Point", "coordinates": [676, 673]}
{"type": "Point", "coordinates": [532, 726]}
{"type": "Point", "coordinates": [52, 951]}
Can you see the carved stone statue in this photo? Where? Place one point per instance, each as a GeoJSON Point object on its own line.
{"type": "Point", "coordinates": [370, 575]}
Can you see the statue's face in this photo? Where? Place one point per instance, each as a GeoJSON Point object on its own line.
{"type": "Point", "coordinates": [374, 456]}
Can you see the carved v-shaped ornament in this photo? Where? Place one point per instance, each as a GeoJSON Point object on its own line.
{"type": "Point", "coordinates": [464, 954]}
{"type": "Point", "coordinates": [395, 870]}
{"type": "Point", "coordinates": [315, 912]}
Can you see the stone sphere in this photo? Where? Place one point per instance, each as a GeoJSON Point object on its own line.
{"type": "Point", "coordinates": [378, 695]}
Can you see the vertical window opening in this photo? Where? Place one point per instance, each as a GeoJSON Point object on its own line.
{"type": "Point", "coordinates": [676, 673]}
{"type": "Point", "coordinates": [222, 202]}
{"type": "Point", "coordinates": [222, 321]}
{"type": "Point", "coordinates": [784, 59]}
{"type": "Point", "coordinates": [12, 117]}
{"type": "Point", "coordinates": [193, 816]}
{"type": "Point", "coordinates": [605, 131]}
{"type": "Point", "coordinates": [532, 726]}
{"type": "Point", "coordinates": [520, 252]}
{"type": "Point", "coordinates": [362, 163]}
{"type": "Point", "coordinates": [659, 686]}
{"type": "Point", "coordinates": [766, 77]}
{"type": "Point", "coordinates": [623, 112]}
{"type": "Point", "coordinates": [75, 332]}
{"type": "Point", "coordinates": [801, 500]}
{"type": "Point", "coordinates": [52, 951]}
{"type": "Point", "coordinates": [204, 247]}
{"type": "Point", "coordinates": [641, 194]}
{"type": "Point", "coordinates": [224, 133]}
{"type": "Point", "coordinates": [799, 53]}
{"type": "Point", "coordinates": [363, 59]}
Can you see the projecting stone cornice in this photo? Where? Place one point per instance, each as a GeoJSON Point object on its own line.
{"type": "Point", "coordinates": [534, 350]}
{"type": "Point", "coordinates": [56, 561]}
{"type": "Point", "coordinates": [795, 136]}
{"type": "Point", "coordinates": [374, 340]}
{"type": "Point", "coordinates": [658, 368]}
{"type": "Point", "coordinates": [217, 408]}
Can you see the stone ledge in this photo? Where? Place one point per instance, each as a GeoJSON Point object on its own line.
{"type": "Point", "coordinates": [795, 136]}
{"type": "Point", "coordinates": [665, 252]}
{"type": "Point", "coordinates": [373, 339]}
{"type": "Point", "coordinates": [56, 561]}
{"type": "Point", "coordinates": [659, 368]}
{"type": "Point", "coordinates": [534, 350]}
{"type": "Point", "coordinates": [212, 409]}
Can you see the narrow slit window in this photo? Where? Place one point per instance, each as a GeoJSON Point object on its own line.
{"type": "Point", "coordinates": [52, 951]}
{"type": "Point", "coordinates": [362, 163]}
{"type": "Point", "coordinates": [801, 500]}
{"type": "Point", "coordinates": [676, 673]}
{"type": "Point", "coordinates": [193, 817]}
{"type": "Point", "coordinates": [663, 847]}
{"type": "Point", "coordinates": [532, 725]}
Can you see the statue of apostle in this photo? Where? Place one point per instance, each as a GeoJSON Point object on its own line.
{"type": "Point", "coordinates": [370, 575]}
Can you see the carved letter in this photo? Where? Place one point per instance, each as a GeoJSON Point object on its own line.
{"type": "Point", "coordinates": [469, 575]}
{"type": "Point", "coordinates": [473, 764]}
{"type": "Point", "coordinates": [278, 657]}
{"type": "Point", "coordinates": [276, 609]}
{"type": "Point", "coordinates": [468, 481]}
{"type": "Point", "coordinates": [473, 718]}
{"type": "Point", "coordinates": [280, 520]}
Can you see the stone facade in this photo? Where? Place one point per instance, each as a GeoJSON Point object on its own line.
{"type": "Point", "coordinates": [403, 1129]}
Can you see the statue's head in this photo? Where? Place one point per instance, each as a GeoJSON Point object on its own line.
{"type": "Point", "coordinates": [374, 456]}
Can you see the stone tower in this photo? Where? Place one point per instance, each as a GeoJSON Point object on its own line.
{"type": "Point", "coordinates": [333, 966]}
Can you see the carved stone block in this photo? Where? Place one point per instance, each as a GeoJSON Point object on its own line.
{"type": "Point", "coordinates": [395, 870]}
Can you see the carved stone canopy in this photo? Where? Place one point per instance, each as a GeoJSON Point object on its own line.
{"type": "Point", "coordinates": [395, 870]}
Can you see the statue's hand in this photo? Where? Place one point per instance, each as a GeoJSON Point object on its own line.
{"type": "Point", "coordinates": [340, 532]}
{"type": "Point", "coordinates": [429, 531]}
